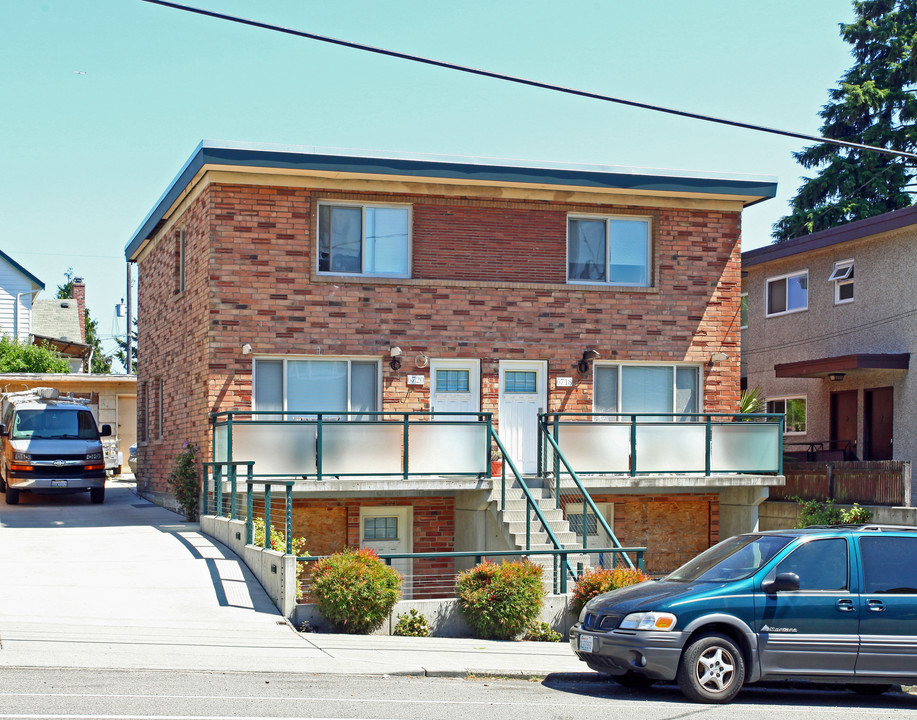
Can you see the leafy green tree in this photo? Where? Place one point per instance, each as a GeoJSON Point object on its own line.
{"type": "Point", "coordinates": [121, 353]}
{"type": "Point", "coordinates": [101, 363]}
{"type": "Point", "coordinates": [875, 103]}
{"type": "Point", "coordinates": [21, 357]}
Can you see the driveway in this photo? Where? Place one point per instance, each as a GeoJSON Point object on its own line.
{"type": "Point", "coordinates": [129, 584]}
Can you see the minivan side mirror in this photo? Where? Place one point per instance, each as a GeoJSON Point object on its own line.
{"type": "Point", "coordinates": [105, 431]}
{"type": "Point", "coordinates": [784, 582]}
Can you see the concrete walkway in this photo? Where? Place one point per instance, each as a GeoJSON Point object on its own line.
{"type": "Point", "coordinates": [130, 585]}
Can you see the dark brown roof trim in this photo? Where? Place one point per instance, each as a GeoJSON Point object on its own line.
{"type": "Point", "coordinates": [843, 363]}
{"type": "Point", "coordinates": [893, 220]}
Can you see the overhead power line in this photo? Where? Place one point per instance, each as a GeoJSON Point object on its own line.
{"type": "Point", "coordinates": [530, 83]}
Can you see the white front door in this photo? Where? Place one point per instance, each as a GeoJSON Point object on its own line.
{"type": "Point", "coordinates": [455, 386]}
{"type": "Point", "coordinates": [523, 394]}
{"type": "Point", "coordinates": [390, 530]}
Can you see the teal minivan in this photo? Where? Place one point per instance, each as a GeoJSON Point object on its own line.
{"type": "Point", "coordinates": [824, 604]}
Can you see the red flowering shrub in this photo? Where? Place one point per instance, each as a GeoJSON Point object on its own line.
{"type": "Point", "coordinates": [596, 581]}
{"type": "Point", "coordinates": [354, 590]}
{"type": "Point", "coordinates": [500, 601]}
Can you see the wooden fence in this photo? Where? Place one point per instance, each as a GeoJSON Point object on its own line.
{"type": "Point", "coordinates": [878, 482]}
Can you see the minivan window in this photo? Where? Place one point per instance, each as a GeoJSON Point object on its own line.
{"type": "Point", "coordinates": [733, 559]}
{"type": "Point", "coordinates": [820, 565]}
{"type": "Point", "coordinates": [49, 424]}
{"type": "Point", "coordinates": [888, 564]}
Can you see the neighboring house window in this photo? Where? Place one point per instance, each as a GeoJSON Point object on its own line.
{"type": "Point", "coordinates": [180, 262]}
{"type": "Point", "coordinates": [842, 277]}
{"type": "Point", "coordinates": [614, 251]}
{"type": "Point", "coordinates": [787, 293]}
{"type": "Point", "coordinates": [364, 240]}
{"type": "Point", "coordinates": [743, 311]}
{"type": "Point", "coordinates": [794, 408]}
{"type": "Point", "coordinates": [647, 389]}
{"type": "Point", "coordinates": [306, 387]}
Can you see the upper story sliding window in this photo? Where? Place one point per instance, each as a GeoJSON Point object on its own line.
{"type": "Point", "coordinates": [787, 293]}
{"type": "Point", "coordinates": [372, 240]}
{"type": "Point", "coordinates": [609, 250]}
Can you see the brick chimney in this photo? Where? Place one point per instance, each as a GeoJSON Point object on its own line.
{"type": "Point", "coordinates": [79, 294]}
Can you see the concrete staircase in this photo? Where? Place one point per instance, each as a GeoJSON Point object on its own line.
{"type": "Point", "coordinates": [513, 517]}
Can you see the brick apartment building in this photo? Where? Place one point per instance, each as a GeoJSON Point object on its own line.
{"type": "Point", "coordinates": [279, 279]}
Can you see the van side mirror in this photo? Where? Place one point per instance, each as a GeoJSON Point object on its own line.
{"type": "Point", "coordinates": [3, 430]}
{"type": "Point", "coordinates": [784, 582]}
{"type": "Point", "coordinates": [105, 431]}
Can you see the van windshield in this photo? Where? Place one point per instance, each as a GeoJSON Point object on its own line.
{"type": "Point", "coordinates": [733, 559]}
{"type": "Point", "coordinates": [54, 424]}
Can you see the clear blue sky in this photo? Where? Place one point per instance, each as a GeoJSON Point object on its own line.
{"type": "Point", "coordinates": [104, 100]}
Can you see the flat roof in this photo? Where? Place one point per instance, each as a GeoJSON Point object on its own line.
{"type": "Point", "coordinates": [748, 189]}
{"type": "Point", "coordinates": [886, 222]}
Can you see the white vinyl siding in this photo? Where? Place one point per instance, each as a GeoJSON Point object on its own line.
{"type": "Point", "coordinates": [13, 283]}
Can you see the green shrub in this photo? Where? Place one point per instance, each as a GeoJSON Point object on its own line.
{"type": "Point", "coordinates": [500, 601]}
{"type": "Point", "coordinates": [184, 480]}
{"type": "Point", "coordinates": [816, 512]}
{"type": "Point", "coordinates": [542, 632]}
{"type": "Point", "coordinates": [596, 581]}
{"type": "Point", "coordinates": [412, 624]}
{"type": "Point", "coordinates": [278, 542]}
{"type": "Point", "coordinates": [354, 590]}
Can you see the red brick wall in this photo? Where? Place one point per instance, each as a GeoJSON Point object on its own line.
{"type": "Point", "coordinates": [487, 283]}
{"type": "Point", "coordinates": [332, 525]}
{"type": "Point", "coordinates": [673, 527]}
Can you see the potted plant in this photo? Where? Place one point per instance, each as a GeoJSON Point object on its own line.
{"type": "Point", "coordinates": [496, 461]}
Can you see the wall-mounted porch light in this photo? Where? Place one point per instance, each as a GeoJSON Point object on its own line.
{"type": "Point", "coordinates": [836, 377]}
{"type": "Point", "coordinates": [583, 364]}
{"type": "Point", "coordinates": [395, 362]}
{"type": "Point", "coordinates": [718, 357]}
{"type": "Point", "coordinates": [247, 349]}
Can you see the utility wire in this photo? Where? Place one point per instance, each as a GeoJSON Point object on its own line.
{"type": "Point", "coordinates": [530, 83]}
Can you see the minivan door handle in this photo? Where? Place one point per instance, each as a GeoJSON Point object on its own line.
{"type": "Point", "coordinates": [875, 605]}
{"type": "Point", "coordinates": [845, 605]}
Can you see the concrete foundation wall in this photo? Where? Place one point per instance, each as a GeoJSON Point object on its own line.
{"type": "Point", "coordinates": [783, 515]}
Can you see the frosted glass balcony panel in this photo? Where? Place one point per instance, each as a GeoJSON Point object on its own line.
{"type": "Point", "coordinates": [286, 449]}
{"type": "Point", "coordinates": [361, 448]}
{"type": "Point", "coordinates": [219, 444]}
{"type": "Point", "coordinates": [594, 447]}
{"type": "Point", "coordinates": [746, 447]}
{"type": "Point", "coordinates": [669, 447]}
{"type": "Point", "coordinates": [438, 448]}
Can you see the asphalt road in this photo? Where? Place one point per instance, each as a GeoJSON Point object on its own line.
{"type": "Point", "coordinates": [156, 695]}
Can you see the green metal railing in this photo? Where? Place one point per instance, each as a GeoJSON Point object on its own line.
{"type": "Point", "coordinates": [550, 425]}
{"type": "Point", "coordinates": [224, 423]}
{"type": "Point", "coordinates": [588, 503]}
{"type": "Point", "coordinates": [561, 557]}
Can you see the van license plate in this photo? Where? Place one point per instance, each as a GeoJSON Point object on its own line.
{"type": "Point", "coordinates": [58, 483]}
{"type": "Point", "coordinates": [585, 643]}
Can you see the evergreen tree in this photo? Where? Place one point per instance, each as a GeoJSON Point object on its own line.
{"type": "Point", "coordinates": [121, 353]}
{"type": "Point", "coordinates": [101, 363]}
{"type": "Point", "coordinates": [874, 104]}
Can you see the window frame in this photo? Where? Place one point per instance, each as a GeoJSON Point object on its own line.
{"type": "Point", "coordinates": [363, 207]}
{"type": "Point", "coordinates": [785, 277]}
{"type": "Point", "coordinates": [180, 262]}
{"type": "Point", "coordinates": [608, 220]}
{"type": "Point", "coordinates": [841, 279]}
{"type": "Point", "coordinates": [743, 310]}
{"type": "Point", "coordinates": [675, 366]}
{"type": "Point", "coordinates": [349, 359]}
{"type": "Point", "coordinates": [784, 399]}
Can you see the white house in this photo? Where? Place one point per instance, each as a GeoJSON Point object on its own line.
{"type": "Point", "coordinates": [18, 287]}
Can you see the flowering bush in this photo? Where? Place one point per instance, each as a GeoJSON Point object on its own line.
{"type": "Point", "coordinates": [354, 590]}
{"type": "Point", "coordinates": [596, 581]}
{"type": "Point", "coordinates": [500, 601]}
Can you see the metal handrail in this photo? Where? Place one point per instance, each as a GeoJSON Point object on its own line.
{"type": "Point", "coordinates": [565, 566]}
{"type": "Point", "coordinates": [586, 496]}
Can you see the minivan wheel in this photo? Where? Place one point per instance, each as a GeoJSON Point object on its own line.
{"type": "Point", "coordinates": [97, 495]}
{"type": "Point", "coordinates": [12, 496]}
{"type": "Point", "coordinates": [711, 670]}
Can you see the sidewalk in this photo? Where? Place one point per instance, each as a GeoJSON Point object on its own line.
{"type": "Point", "coordinates": [130, 585]}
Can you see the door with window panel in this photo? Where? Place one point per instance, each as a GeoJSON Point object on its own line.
{"type": "Point", "coordinates": [388, 530]}
{"type": "Point", "coordinates": [522, 396]}
{"type": "Point", "coordinates": [455, 387]}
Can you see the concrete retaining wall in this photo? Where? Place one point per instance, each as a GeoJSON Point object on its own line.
{"type": "Point", "coordinates": [775, 515]}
